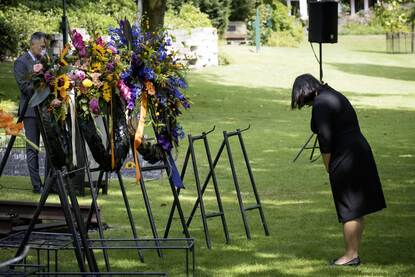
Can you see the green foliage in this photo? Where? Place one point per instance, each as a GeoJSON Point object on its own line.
{"type": "Point", "coordinates": [218, 11]}
{"type": "Point", "coordinates": [188, 17]}
{"type": "Point", "coordinates": [242, 10]}
{"type": "Point", "coordinates": [360, 29]}
{"type": "Point", "coordinates": [392, 16]}
{"type": "Point", "coordinates": [9, 39]}
{"type": "Point", "coordinates": [290, 38]}
{"type": "Point", "coordinates": [277, 27]}
{"type": "Point", "coordinates": [22, 19]}
{"type": "Point", "coordinates": [28, 17]}
{"type": "Point", "coordinates": [361, 24]}
{"type": "Point", "coordinates": [223, 59]}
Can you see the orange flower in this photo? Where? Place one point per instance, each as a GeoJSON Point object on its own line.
{"type": "Point", "coordinates": [14, 129]}
{"type": "Point", "coordinates": [5, 119]}
{"type": "Point", "coordinates": [151, 90]}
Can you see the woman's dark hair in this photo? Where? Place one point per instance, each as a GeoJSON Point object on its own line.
{"type": "Point", "coordinates": [304, 90]}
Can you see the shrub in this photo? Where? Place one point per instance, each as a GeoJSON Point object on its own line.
{"type": "Point", "coordinates": [277, 27]}
{"type": "Point", "coordinates": [361, 24]}
{"type": "Point", "coordinates": [9, 39]}
{"type": "Point", "coordinates": [189, 17]}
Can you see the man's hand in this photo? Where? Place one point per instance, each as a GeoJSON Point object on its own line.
{"type": "Point", "coordinates": [37, 68]}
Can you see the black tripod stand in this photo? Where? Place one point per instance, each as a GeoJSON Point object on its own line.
{"type": "Point", "coordinates": [305, 145]}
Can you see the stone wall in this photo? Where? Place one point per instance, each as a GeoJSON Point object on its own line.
{"type": "Point", "coordinates": [198, 46]}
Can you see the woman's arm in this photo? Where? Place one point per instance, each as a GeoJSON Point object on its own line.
{"type": "Point", "coordinates": [326, 160]}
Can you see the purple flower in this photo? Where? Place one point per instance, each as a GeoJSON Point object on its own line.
{"type": "Point", "coordinates": [185, 104]}
{"type": "Point", "coordinates": [48, 77]}
{"type": "Point", "coordinates": [100, 41]}
{"type": "Point", "coordinates": [110, 66]}
{"type": "Point", "coordinates": [164, 142]}
{"type": "Point", "coordinates": [124, 90]}
{"type": "Point", "coordinates": [113, 49]}
{"type": "Point", "coordinates": [80, 75]}
{"type": "Point", "coordinates": [78, 43]}
{"type": "Point", "coordinates": [135, 91]}
{"type": "Point", "coordinates": [94, 105]}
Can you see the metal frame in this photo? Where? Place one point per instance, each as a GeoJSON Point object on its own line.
{"type": "Point", "coordinates": [45, 241]}
{"type": "Point", "coordinates": [305, 146]}
{"type": "Point", "coordinates": [243, 209]}
{"type": "Point", "coordinates": [204, 216]}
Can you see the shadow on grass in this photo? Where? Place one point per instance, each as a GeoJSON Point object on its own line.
{"type": "Point", "coordinates": [373, 70]}
{"type": "Point", "coordinates": [296, 198]}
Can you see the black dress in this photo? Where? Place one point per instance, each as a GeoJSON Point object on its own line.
{"type": "Point", "coordinates": [354, 179]}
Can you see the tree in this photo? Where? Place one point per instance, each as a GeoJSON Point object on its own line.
{"type": "Point", "coordinates": [241, 10]}
{"type": "Point", "coordinates": [153, 14]}
{"type": "Point", "coordinates": [392, 16]}
{"type": "Point", "coordinates": [218, 11]}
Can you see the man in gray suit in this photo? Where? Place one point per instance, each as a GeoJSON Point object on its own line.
{"type": "Point", "coordinates": [24, 67]}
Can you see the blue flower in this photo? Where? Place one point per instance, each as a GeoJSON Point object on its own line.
{"type": "Point", "coordinates": [178, 132]}
{"type": "Point", "coordinates": [162, 54]}
{"type": "Point", "coordinates": [168, 41]}
{"type": "Point", "coordinates": [147, 73]}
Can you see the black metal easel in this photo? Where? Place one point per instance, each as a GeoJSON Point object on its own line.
{"type": "Point", "coordinates": [242, 207]}
{"type": "Point", "coordinates": [191, 154]}
{"type": "Point", "coordinates": [70, 208]}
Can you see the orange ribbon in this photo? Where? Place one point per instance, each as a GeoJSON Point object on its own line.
{"type": "Point", "coordinates": [138, 137]}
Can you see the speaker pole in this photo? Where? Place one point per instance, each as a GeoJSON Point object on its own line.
{"type": "Point", "coordinates": [321, 61]}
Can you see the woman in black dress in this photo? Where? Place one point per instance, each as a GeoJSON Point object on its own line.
{"type": "Point", "coordinates": [347, 157]}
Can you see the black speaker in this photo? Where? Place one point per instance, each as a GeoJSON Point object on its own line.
{"type": "Point", "coordinates": [322, 21]}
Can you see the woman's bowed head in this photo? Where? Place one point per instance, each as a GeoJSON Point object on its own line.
{"type": "Point", "coordinates": [304, 90]}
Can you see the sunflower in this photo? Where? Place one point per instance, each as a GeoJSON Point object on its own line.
{"type": "Point", "coordinates": [96, 67]}
{"type": "Point", "coordinates": [62, 84]}
{"type": "Point", "coordinates": [106, 91]}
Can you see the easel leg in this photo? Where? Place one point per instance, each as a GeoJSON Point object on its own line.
{"type": "Point", "coordinates": [303, 147]}
{"type": "Point", "coordinates": [216, 188]}
{"type": "Point", "coordinates": [94, 197]}
{"type": "Point", "coordinates": [237, 188]}
{"type": "Point", "coordinates": [251, 177]}
{"type": "Point", "coordinates": [69, 220]}
{"type": "Point", "coordinates": [92, 209]}
{"type": "Point", "coordinates": [130, 216]}
{"type": "Point", "coordinates": [199, 194]}
{"type": "Point", "coordinates": [215, 162]}
{"type": "Point", "coordinates": [149, 213]}
{"type": "Point", "coordinates": [173, 207]}
{"type": "Point", "coordinates": [41, 204]}
{"type": "Point", "coordinates": [81, 227]}
{"type": "Point", "coordinates": [94, 204]}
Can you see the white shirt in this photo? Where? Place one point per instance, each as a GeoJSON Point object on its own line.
{"type": "Point", "coordinates": [31, 55]}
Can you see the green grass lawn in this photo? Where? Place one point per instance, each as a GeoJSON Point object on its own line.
{"type": "Point", "coordinates": [255, 89]}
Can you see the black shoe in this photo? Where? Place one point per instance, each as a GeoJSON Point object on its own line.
{"type": "Point", "coordinates": [352, 262]}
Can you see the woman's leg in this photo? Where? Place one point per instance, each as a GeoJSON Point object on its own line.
{"type": "Point", "coordinates": [352, 233]}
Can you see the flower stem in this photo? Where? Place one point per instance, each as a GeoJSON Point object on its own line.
{"type": "Point", "coordinates": [29, 142]}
